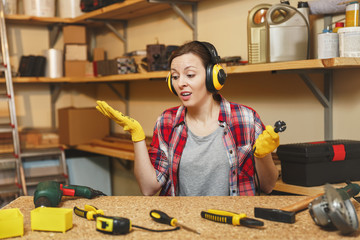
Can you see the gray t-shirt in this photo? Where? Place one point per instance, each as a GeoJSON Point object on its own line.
{"type": "Point", "coordinates": [204, 166]}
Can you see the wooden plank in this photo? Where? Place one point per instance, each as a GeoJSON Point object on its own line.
{"type": "Point", "coordinates": [107, 151]}
{"type": "Point", "coordinates": [125, 145]}
{"type": "Point", "coordinates": [24, 19]}
{"type": "Point", "coordinates": [243, 69]}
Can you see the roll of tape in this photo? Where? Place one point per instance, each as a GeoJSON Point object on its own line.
{"type": "Point", "coordinates": [54, 63]}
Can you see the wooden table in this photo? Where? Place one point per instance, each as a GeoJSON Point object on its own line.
{"type": "Point", "coordinates": [187, 210]}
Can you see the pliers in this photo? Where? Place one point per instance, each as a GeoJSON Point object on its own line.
{"type": "Point", "coordinates": [89, 212]}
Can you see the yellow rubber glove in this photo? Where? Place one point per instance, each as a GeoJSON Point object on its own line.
{"type": "Point", "coordinates": [267, 142]}
{"type": "Point", "coordinates": [129, 124]}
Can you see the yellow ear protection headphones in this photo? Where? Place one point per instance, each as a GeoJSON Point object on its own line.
{"type": "Point", "coordinates": [215, 74]}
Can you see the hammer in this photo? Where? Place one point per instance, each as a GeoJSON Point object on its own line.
{"type": "Point", "coordinates": [285, 214]}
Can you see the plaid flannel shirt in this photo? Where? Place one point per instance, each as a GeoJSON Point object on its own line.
{"type": "Point", "coordinates": [242, 126]}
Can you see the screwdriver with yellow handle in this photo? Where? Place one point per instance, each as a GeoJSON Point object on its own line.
{"type": "Point", "coordinates": [230, 218]}
{"type": "Point", "coordinates": [162, 217]}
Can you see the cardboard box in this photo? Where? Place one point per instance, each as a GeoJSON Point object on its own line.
{"type": "Point", "coordinates": [75, 52]}
{"type": "Point", "coordinates": [74, 34]}
{"type": "Point", "coordinates": [99, 54]}
{"type": "Point", "coordinates": [81, 125]}
{"type": "Point", "coordinates": [75, 68]}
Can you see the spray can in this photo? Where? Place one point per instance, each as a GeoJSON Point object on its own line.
{"type": "Point", "coordinates": [352, 14]}
{"type": "Point", "coordinates": [328, 44]}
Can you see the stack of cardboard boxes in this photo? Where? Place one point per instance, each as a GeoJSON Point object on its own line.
{"type": "Point", "coordinates": [75, 50]}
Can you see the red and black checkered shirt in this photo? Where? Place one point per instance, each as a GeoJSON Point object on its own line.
{"type": "Point", "coordinates": [241, 124]}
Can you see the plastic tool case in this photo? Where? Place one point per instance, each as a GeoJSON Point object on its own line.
{"type": "Point", "coordinates": [317, 163]}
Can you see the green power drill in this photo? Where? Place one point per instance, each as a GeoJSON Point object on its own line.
{"type": "Point", "coordinates": [49, 193]}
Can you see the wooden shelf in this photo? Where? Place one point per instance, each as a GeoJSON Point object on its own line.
{"type": "Point", "coordinates": [117, 11]}
{"type": "Point", "coordinates": [332, 63]}
{"type": "Point", "coordinates": [296, 65]}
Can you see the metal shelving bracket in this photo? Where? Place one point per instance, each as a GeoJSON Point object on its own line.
{"type": "Point", "coordinates": [192, 23]}
{"type": "Point", "coordinates": [325, 98]}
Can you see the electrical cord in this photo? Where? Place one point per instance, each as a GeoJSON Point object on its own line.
{"type": "Point", "coordinates": [155, 230]}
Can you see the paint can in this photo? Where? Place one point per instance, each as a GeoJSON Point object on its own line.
{"type": "Point", "coordinates": [349, 39]}
{"type": "Point", "coordinates": [328, 45]}
{"type": "Point", "coordinates": [352, 14]}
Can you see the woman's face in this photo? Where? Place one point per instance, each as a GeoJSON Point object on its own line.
{"type": "Point", "coordinates": [188, 78]}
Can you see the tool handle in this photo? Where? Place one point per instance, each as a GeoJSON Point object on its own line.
{"type": "Point", "coordinates": [217, 218]}
{"type": "Point", "coordinates": [79, 212]}
{"type": "Point", "coordinates": [162, 217]}
{"type": "Point", "coordinates": [301, 205]}
{"type": "Point", "coordinates": [80, 191]}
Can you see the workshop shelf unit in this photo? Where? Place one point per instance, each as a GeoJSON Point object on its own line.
{"type": "Point", "coordinates": [128, 10]}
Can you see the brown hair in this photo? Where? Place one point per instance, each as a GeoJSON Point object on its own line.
{"type": "Point", "coordinates": [194, 47]}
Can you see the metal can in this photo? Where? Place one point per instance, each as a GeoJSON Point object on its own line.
{"type": "Point", "coordinates": [352, 14]}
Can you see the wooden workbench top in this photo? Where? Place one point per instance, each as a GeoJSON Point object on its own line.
{"type": "Point", "coordinates": [187, 210]}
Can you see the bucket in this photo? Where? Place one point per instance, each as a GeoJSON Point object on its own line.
{"type": "Point", "coordinates": [349, 39]}
{"type": "Point", "coordinates": [39, 8]}
{"type": "Point", "coordinates": [69, 8]}
{"type": "Point", "coordinates": [10, 7]}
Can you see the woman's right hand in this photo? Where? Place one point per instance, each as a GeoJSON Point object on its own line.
{"type": "Point", "coordinates": [129, 124]}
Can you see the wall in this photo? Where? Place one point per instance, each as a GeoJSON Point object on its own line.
{"type": "Point", "coordinates": [274, 96]}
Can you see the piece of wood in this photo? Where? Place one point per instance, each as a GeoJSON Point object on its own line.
{"type": "Point", "coordinates": [124, 145]}
{"type": "Point", "coordinates": [301, 205]}
{"type": "Point", "coordinates": [117, 153]}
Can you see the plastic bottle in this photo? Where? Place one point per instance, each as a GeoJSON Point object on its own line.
{"type": "Point", "coordinates": [338, 25]}
{"type": "Point", "coordinates": [328, 44]}
{"type": "Point", "coordinates": [303, 7]}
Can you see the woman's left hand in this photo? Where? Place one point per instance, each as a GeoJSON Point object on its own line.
{"type": "Point", "coordinates": [266, 143]}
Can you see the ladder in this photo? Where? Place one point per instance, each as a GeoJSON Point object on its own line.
{"type": "Point", "coordinates": [12, 164]}
{"type": "Point", "coordinates": [12, 160]}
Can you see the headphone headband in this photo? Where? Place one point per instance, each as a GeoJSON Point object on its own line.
{"type": "Point", "coordinates": [215, 74]}
{"type": "Point", "coordinates": [215, 59]}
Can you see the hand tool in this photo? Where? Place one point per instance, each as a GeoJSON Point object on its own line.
{"type": "Point", "coordinates": [287, 214]}
{"type": "Point", "coordinates": [109, 224]}
{"type": "Point", "coordinates": [335, 210]}
{"type": "Point", "coordinates": [90, 212]}
{"type": "Point", "coordinates": [49, 193]}
{"type": "Point", "coordinates": [162, 217]}
{"type": "Point", "coordinates": [104, 224]}
{"type": "Point", "coordinates": [231, 218]}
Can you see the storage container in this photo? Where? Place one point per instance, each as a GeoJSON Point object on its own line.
{"type": "Point", "coordinates": [69, 8]}
{"type": "Point", "coordinates": [39, 8]}
{"type": "Point", "coordinates": [317, 163]}
{"type": "Point", "coordinates": [51, 219]}
{"type": "Point", "coordinates": [288, 32]}
{"type": "Point", "coordinates": [349, 42]}
{"type": "Point", "coordinates": [11, 223]}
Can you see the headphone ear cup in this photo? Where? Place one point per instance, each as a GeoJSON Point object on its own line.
{"type": "Point", "coordinates": [169, 83]}
{"type": "Point", "coordinates": [215, 78]}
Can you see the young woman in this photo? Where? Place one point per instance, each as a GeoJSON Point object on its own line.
{"type": "Point", "coordinates": [207, 146]}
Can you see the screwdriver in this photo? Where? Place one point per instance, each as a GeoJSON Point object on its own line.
{"type": "Point", "coordinates": [162, 217]}
{"type": "Point", "coordinates": [230, 218]}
